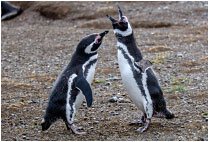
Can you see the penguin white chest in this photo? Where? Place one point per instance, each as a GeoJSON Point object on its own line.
{"type": "Point", "coordinates": [90, 69]}
{"type": "Point", "coordinates": [90, 74]}
{"type": "Point", "coordinates": [129, 81]}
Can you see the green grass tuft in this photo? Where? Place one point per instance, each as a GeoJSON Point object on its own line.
{"type": "Point", "coordinates": [179, 89]}
{"type": "Point", "coordinates": [99, 81]}
{"type": "Point", "coordinates": [175, 83]}
{"type": "Point", "coordinates": [204, 112]}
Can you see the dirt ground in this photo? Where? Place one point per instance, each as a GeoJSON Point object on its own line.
{"type": "Point", "coordinates": [38, 44]}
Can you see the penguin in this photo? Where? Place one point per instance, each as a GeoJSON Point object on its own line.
{"type": "Point", "coordinates": [137, 74]}
{"type": "Point", "coordinates": [73, 84]}
{"type": "Point", "coordinates": [9, 11]}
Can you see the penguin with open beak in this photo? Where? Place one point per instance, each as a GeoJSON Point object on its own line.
{"type": "Point", "coordinates": [137, 74]}
{"type": "Point", "coordinates": [73, 84]}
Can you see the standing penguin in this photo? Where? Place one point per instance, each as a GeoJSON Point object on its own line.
{"type": "Point", "coordinates": [73, 84]}
{"type": "Point", "coordinates": [137, 74]}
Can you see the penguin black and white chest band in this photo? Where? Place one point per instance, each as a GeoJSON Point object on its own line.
{"type": "Point", "coordinates": [86, 66]}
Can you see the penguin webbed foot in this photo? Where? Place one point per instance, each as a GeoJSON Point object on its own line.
{"type": "Point", "coordinates": [75, 129]}
{"type": "Point", "coordinates": [145, 127]}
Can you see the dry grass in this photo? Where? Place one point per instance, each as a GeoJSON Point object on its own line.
{"type": "Point", "coordinates": [190, 63]}
{"type": "Point", "coordinates": [150, 24]}
{"type": "Point", "coordinates": [97, 24]}
{"type": "Point", "coordinates": [204, 58]}
{"type": "Point", "coordinates": [192, 70]}
{"type": "Point", "coordinates": [159, 48]}
{"type": "Point", "coordinates": [54, 11]}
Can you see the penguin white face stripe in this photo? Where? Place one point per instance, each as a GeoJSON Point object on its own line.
{"type": "Point", "coordinates": [124, 33]}
{"type": "Point", "coordinates": [88, 48]}
{"type": "Point", "coordinates": [70, 110]}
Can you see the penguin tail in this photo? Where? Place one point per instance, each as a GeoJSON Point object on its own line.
{"type": "Point", "coordinates": [46, 123]}
{"type": "Point", "coordinates": [168, 114]}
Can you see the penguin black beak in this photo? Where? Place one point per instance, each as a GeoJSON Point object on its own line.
{"type": "Point", "coordinates": [120, 13]}
{"type": "Point", "coordinates": [111, 19]}
{"type": "Point", "coordinates": [100, 37]}
{"type": "Point", "coordinates": [103, 34]}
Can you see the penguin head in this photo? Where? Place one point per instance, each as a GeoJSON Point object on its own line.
{"type": "Point", "coordinates": [121, 27]}
{"type": "Point", "coordinates": [91, 43]}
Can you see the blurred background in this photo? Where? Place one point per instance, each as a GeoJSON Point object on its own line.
{"type": "Point", "coordinates": [37, 44]}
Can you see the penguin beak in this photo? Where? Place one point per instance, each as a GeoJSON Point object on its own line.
{"type": "Point", "coordinates": [120, 17]}
{"type": "Point", "coordinates": [100, 37]}
{"type": "Point", "coordinates": [103, 34]}
{"type": "Point", "coordinates": [120, 13]}
{"type": "Point", "coordinates": [112, 19]}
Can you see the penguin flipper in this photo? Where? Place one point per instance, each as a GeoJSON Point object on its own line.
{"type": "Point", "coordinates": [143, 64]}
{"type": "Point", "coordinates": [83, 85]}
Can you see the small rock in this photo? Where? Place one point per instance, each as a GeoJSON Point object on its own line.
{"type": "Point", "coordinates": [21, 121]}
{"type": "Point", "coordinates": [176, 123]}
{"type": "Point", "coordinates": [166, 7]}
{"type": "Point", "coordinates": [14, 115]}
{"type": "Point", "coordinates": [122, 100]}
{"type": "Point", "coordinates": [96, 122]}
{"type": "Point", "coordinates": [36, 118]}
{"type": "Point", "coordinates": [198, 121]}
{"type": "Point", "coordinates": [206, 119]}
{"type": "Point", "coordinates": [158, 68]}
{"type": "Point", "coordinates": [113, 99]}
{"type": "Point", "coordinates": [107, 83]}
{"type": "Point", "coordinates": [112, 79]}
{"type": "Point", "coordinates": [113, 113]}
{"type": "Point", "coordinates": [182, 126]}
{"type": "Point", "coordinates": [188, 121]}
{"type": "Point", "coordinates": [24, 137]}
{"type": "Point", "coordinates": [33, 102]}
{"type": "Point", "coordinates": [179, 55]}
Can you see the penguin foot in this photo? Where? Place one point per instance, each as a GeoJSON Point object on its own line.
{"type": "Point", "coordinates": [75, 130]}
{"type": "Point", "coordinates": [144, 128]}
{"type": "Point", "coordinates": [135, 122]}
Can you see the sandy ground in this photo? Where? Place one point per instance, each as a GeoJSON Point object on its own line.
{"type": "Point", "coordinates": [38, 44]}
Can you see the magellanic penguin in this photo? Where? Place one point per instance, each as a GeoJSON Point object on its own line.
{"type": "Point", "coordinates": [137, 74]}
{"type": "Point", "coordinates": [73, 84]}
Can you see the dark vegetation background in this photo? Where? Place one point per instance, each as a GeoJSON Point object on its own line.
{"type": "Point", "coordinates": [38, 44]}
